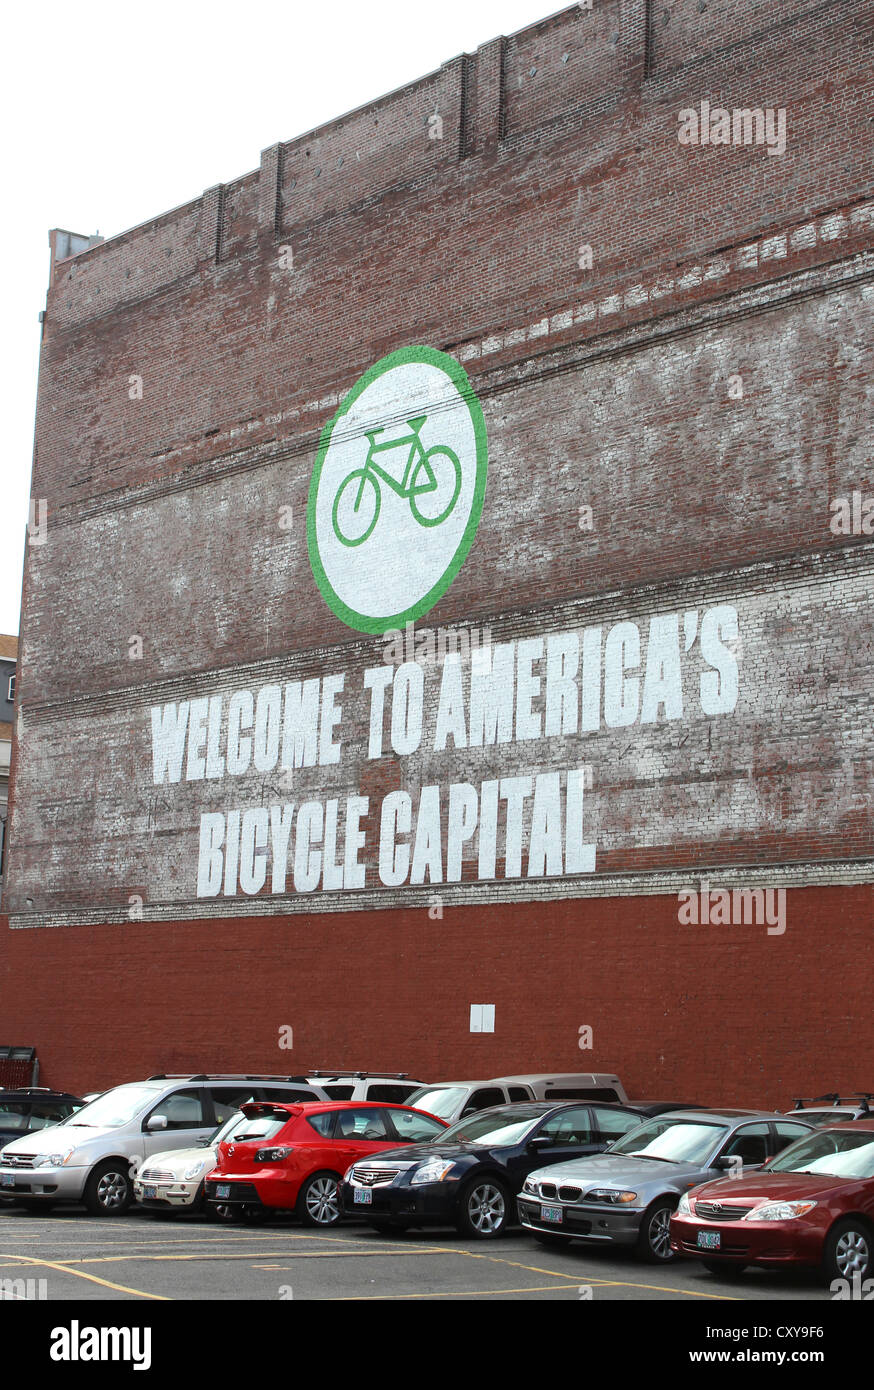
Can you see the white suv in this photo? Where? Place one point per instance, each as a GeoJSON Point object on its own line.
{"type": "Point", "coordinates": [92, 1157]}
{"type": "Point", "coordinates": [394, 1086]}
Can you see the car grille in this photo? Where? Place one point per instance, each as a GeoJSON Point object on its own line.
{"type": "Point", "coordinates": [374, 1177]}
{"type": "Point", "coordinates": [719, 1211]}
{"type": "Point", "coordinates": [567, 1192]}
{"type": "Point", "coordinates": [156, 1175]}
{"type": "Point", "coordinates": [18, 1160]}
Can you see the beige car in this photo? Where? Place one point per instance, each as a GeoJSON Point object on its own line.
{"type": "Point", "coordinates": [452, 1100]}
{"type": "Point", "coordinates": [174, 1179]}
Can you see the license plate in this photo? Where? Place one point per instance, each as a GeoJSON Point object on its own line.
{"type": "Point", "coordinates": [150, 1192]}
{"type": "Point", "coordinates": [7, 1179]}
{"type": "Point", "coordinates": [363, 1197]}
{"type": "Point", "coordinates": [552, 1214]}
{"type": "Point", "coordinates": [709, 1240]}
{"type": "Point", "coordinates": [223, 1190]}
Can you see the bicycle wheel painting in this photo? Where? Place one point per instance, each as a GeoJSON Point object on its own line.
{"type": "Point", "coordinates": [397, 490]}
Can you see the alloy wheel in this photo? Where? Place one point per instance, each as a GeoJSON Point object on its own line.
{"type": "Point", "coordinates": [659, 1233]}
{"type": "Point", "coordinates": [486, 1208]}
{"type": "Point", "coordinates": [112, 1190]}
{"type": "Point", "coordinates": [852, 1254]}
{"type": "Point", "coordinates": [321, 1201]}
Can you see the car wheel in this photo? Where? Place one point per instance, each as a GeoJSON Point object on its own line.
{"type": "Point", "coordinates": [551, 1239]}
{"type": "Point", "coordinates": [483, 1209]}
{"type": "Point", "coordinates": [317, 1203]}
{"type": "Point", "coordinates": [654, 1240]}
{"type": "Point", "coordinates": [108, 1191]}
{"type": "Point", "coordinates": [724, 1269]}
{"type": "Point", "coordinates": [848, 1252]}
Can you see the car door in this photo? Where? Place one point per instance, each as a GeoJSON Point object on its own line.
{"type": "Point", "coordinates": [360, 1132]}
{"type": "Point", "coordinates": [564, 1134]}
{"type": "Point", "coordinates": [188, 1114]}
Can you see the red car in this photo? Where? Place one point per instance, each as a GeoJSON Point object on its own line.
{"type": "Point", "coordinates": [291, 1157]}
{"type": "Point", "coordinates": [812, 1205]}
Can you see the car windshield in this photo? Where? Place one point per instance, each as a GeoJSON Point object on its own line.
{"type": "Point", "coordinates": [497, 1129]}
{"type": "Point", "coordinates": [839, 1153]}
{"type": "Point", "coordinates": [438, 1100]}
{"type": "Point", "coordinates": [116, 1107]}
{"type": "Point", "coordinates": [672, 1141]}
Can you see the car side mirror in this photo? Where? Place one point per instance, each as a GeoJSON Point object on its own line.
{"type": "Point", "coordinates": [725, 1161]}
{"type": "Point", "coordinates": [540, 1141]}
{"type": "Point", "coordinates": [155, 1122]}
{"type": "Point", "coordinates": [468, 1110]}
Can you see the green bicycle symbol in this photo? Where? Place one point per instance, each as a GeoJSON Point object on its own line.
{"type": "Point", "coordinates": [431, 474]}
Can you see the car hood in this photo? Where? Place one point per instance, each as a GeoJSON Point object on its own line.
{"type": "Point", "coordinates": [409, 1154]}
{"type": "Point", "coordinates": [59, 1136]}
{"type": "Point", "coordinates": [177, 1160]}
{"type": "Point", "coordinates": [621, 1169]}
{"type": "Point", "coordinates": [772, 1187]}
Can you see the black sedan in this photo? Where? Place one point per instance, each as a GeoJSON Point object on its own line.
{"type": "Point", "coordinates": [469, 1176]}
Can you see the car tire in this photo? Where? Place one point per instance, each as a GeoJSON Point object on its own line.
{"type": "Point", "coordinates": [724, 1269]}
{"type": "Point", "coordinates": [109, 1190]}
{"type": "Point", "coordinates": [317, 1205]}
{"type": "Point", "coordinates": [551, 1239]}
{"type": "Point", "coordinates": [654, 1240]}
{"type": "Point", "coordinates": [849, 1251]}
{"type": "Point", "coordinates": [483, 1209]}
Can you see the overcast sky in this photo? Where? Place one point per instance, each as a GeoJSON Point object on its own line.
{"type": "Point", "coordinates": [113, 113]}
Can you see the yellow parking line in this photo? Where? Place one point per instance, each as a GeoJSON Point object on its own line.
{"type": "Point", "coordinates": [92, 1278]}
{"type": "Point", "coordinates": [603, 1283]}
{"type": "Point", "coordinates": [447, 1293]}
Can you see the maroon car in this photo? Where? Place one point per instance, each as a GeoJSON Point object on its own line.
{"type": "Point", "coordinates": [812, 1205]}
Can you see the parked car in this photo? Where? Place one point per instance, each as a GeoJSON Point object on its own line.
{"type": "Point", "coordinates": [173, 1180]}
{"type": "Point", "coordinates": [26, 1109]}
{"type": "Point", "coordinates": [392, 1086]}
{"type": "Point", "coordinates": [468, 1176]}
{"type": "Point", "coordinates": [88, 1157]}
{"type": "Point", "coordinates": [451, 1100]}
{"type": "Point", "coordinates": [832, 1110]}
{"type": "Point", "coordinates": [626, 1195]}
{"type": "Point", "coordinates": [811, 1205]}
{"type": "Point", "coordinates": [291, 1157]}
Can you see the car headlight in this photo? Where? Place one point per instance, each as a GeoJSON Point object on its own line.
{"type": "Point", "coordinates": [610, 1194]}
{"type": "Point", "coordinates": [433, 1170]}
{"type": "Point", "coordinates": [273, 1155]}
{"type": "Point", "coordinates": [684, 1206]}
{"type": "Point", "coordinates": [53, 1160]}
{"type": "Point", "coordinates": [197, 1168]}
{"type": "Point", "coordinates": [779, 1211]}
{"type": "Point", "coordinates": [529, 1185]}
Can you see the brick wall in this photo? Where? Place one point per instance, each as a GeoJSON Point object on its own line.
{"type": "Point", "coordinates": [248, 314]}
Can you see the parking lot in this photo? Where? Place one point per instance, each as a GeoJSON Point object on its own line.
{"type": "Point", "coordinates": [139, 1257]}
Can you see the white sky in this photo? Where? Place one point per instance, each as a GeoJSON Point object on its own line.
{"type": "Point", "coordinates": [112, 113]}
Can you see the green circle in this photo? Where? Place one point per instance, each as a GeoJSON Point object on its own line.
{"type": "Point", "coordinates": [362, 622]}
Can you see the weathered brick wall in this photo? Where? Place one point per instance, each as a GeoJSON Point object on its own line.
{"type": "Point", "coordinates": [248, 314]}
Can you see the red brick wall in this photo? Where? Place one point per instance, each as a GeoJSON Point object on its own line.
{"type": "Point", "coordinates": [718, 1015]}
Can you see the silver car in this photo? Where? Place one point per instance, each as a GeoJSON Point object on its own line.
{"type": "Point", "coordinates": [626, 1195]}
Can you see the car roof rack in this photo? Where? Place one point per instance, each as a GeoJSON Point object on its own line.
{"type": "Point", "coordinates": [330, 1073]}
{"type": "Point", "coordinates": [833, 1099]}
{"type": "Point", "coordinates": [221, 1076]}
